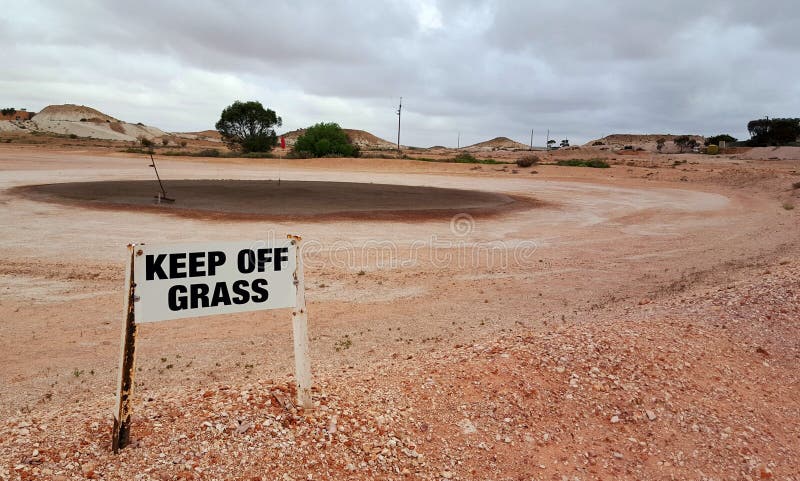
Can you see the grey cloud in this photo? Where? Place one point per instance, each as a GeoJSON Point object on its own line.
{"type": "Point", "coordinates": [581, 68]}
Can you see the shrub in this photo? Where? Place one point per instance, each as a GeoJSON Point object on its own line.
{"type": "Point", "coordinates": [183, 143]}
{"type": "Point", "coordinates": [716, 139]}
{"type": "Point", "coordinates": [8, 111]}
{"type": "Point", "coordinates": [325, 140]}
{"type": "Point", "coordinates": [796, 185]}
{"type": "Point", "coordinates": [146, 142]}
{"type": "Point", "coordinates": [594, 163]}
{"type": "Point", "coordinates": [598, 142]}
{"type": "Point", "coordinates": [527, 161]}
{"type": "Point", "coordinates": [209, 153]}
{"type": "Point", "coordinates": [712, 150]}
{"type": "Point", "coordinates": [164, 141]}
{"type": "Point", "coordinates": [73, 136]}
{"type": "Point", "coordinates": [685, 142]}
{"type": "Point", "coordinates": [465, 158]}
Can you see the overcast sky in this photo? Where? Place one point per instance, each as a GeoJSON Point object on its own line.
{"type": "Point", "coordinates": [583, 69]}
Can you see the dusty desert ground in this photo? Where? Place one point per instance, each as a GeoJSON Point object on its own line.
{"type": "Point", "coordinates": [637, 322]}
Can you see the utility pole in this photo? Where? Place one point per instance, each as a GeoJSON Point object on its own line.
{"type": "Point", "coordinates": [548, 139]}
{"type": "Point", "coordinates": [458, 145]}
{"type": "Point", "coordinates": [399, 111]}
{"type": "Point", "coordinates": [531, 139]}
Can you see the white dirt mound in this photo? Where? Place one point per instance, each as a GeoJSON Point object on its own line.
{"type": "Point", "coordinates": [497, 143]}
{"type": "Point", "coordinates": [647, 142]}
{"type": "Point", "coordinates": [82, 121]}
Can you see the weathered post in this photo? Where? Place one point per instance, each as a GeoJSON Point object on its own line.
{"type": "Point", "coordinates": [302, 362]}
{"type": "Point", "coordinates": [120, 435]}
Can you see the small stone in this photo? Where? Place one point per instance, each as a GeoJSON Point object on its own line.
{"type": "Point", "coordinates": [466, 426]}
{"type": "Point", "coordinates": [764, 472]}
{"type": "Point", "coordinates": [618, 455]}
{"type": "Point", "coordinates": [447, 475]}
{"type": "Point", "coordinates": [88, 469]}
{"type": "Point", "coordinates": [614, 419]}
{"type": "Point", "coordinates": [650, 415]}
{"type": "Point", "coordinates": [244, 427]}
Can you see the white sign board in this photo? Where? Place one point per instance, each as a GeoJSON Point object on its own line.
{"type": "Point", "coordinates": [188, 280]}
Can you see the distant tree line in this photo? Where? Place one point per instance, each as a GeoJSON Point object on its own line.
{"type": "Point", "coordinates": [767, 131]}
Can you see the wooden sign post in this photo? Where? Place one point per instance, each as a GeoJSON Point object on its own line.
{"type": "Point", "coordinates": [120, 435]}
{"type": "Point", "coordinates": [191, 280]}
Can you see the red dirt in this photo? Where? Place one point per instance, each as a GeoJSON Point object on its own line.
{"type": "Point", "coordinates": [651, 334]}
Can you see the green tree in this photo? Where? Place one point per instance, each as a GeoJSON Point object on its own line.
{"type": "Point", "coordinates": [716, 139]}
{"type": "Point", "coordinates": [325, 139]}
{"type": "Point", "coordinates": [249, 127]}
{"type": "Point", "coordinates": [773, 131]}
{"type": "Point", "coordinates": [660, 144]}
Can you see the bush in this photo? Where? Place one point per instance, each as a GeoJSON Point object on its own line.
{"type": "Point", "coordinates": [209, 153]}
{"type": "Point", "coordinates": [147, 143]}
{"type": "Point", "coordinates": [685, 142]}
{"type": "Point", "coordinates": [796, 185]}
{"type": "Point", "coordinates": [716, 139]}
{"type": "Point", "coordinates": [598, 142]}
{"type": "Point", "coordinates": [164, 141]}
{"type": "Point", "coordinates": [325, 140]}
{"type": "Point", "coordinates": [9, 111]}
{"type": "Point", "coordinates": [594, 163]}
{"type": "Point", "coordinates": [183, 143]}
{"type": "Point", "coordinates": [73, 136]}
{"type": "Point", "coordinates": [712, 150]}
{"type": "Point", "coordinates": [465, 158]}
{"type": "Point", "coordinates": [527, 161]}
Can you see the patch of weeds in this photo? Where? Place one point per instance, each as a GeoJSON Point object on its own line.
{"type": "Point", "coordinates": [343, 343]}
{"type": "Point", "coordinates": [77, 372]}
{"type": "Point", "coordinates": [462, 158]}
{"type": "Point", "coordinates": [594, 163]}
{"type": "Point", "coordinates": [361, 272]}
{"type": "Point", "coordinates": [788, 206]}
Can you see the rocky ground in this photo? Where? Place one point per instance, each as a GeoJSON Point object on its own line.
{"type": "Point", "coordinates": [653, 335]}
{"type": "Point", "coordinates": [703, 387]}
